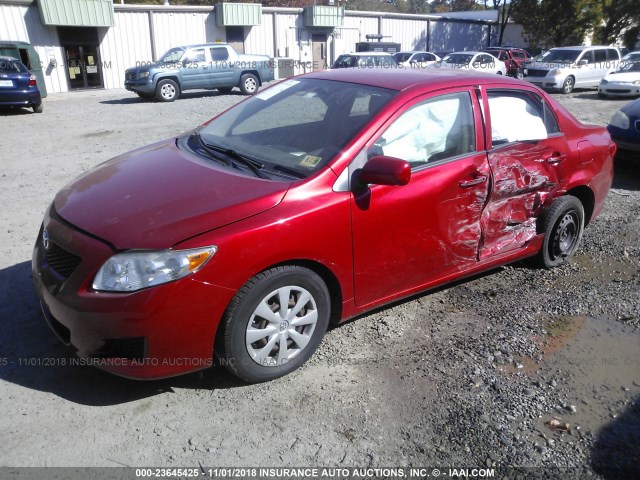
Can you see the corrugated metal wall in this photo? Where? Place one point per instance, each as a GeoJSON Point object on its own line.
{"type": "Point", "coordinates": [260, 37]}
{"type": "Point", "coordinates": [173, 29]}
{"type": "Point", "coordinates": [127, 44]}
{"type": "Point", "coordinates": [22, 23]}
{"type": "Point", "coordinates": [409, 33]}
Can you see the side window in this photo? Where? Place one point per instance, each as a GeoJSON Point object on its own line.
{"type": "Point", "coordinates": [503, 56]}
{"type": "Point", "coordinates": [433, 130]}
{"type": "Point", "coordinates": [588, 56]}
{"type": "Point", "coordinates": [195, 56]}
{"type": "Point", "coordinates": [612, 54]}
{"type": "Point", "coordinates": [535, 121]}
{"type": "Point", "coordinates": [600, 55]}
{"type": "Point", "coordinates": [219, 54]}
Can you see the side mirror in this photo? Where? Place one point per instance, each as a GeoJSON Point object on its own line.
{"type": "Point", "coordinates": [583, 62]}
{"type": "Point", "coordinates": [382, 170]}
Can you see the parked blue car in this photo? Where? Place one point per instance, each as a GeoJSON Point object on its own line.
{"type": "Point", "coordinates": [18, 87]}
{"type": "Point", "coordinates": [624, 128]}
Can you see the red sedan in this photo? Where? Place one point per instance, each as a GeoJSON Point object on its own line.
{"type": "Point", "coordinates": [311, 202]}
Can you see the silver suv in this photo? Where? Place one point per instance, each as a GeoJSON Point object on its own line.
{"type": "Point", "coordinates": [566, 68]}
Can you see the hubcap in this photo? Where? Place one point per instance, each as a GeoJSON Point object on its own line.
{"type": "Point", "coordinates": [168, 91]}
{"type": "Point", "coordinates": [281, 326]}
{"type": "Point", "coordinates": [250, 84]}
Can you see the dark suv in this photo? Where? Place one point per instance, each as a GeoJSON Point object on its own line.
{"type": "Point", "coordinates": [512, 57]}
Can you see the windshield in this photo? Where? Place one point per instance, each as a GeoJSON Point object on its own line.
{"type": "Point", "coordinates": [458, 58]}
{"type": "Point", "coordinates": [172, 55]}
{"type": "Point", "coordinates": [401, 56]}
{"type": "Point", "coordinates": [364, 61]}
{"type": "Point", "coordinates": [562, 56]}
{"type": "Point", "coordinates": [630, 67]}
{"type": "Point", "coordinates": [297, 125]}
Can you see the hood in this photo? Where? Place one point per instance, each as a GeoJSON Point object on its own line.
{"type": "Point", "coordinates": [157, 196]}
{"type": "Point", "coordinates": [627, 77]}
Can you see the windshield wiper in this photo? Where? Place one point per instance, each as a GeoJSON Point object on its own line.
{"type": "Point", "coordinates": [253, 165]}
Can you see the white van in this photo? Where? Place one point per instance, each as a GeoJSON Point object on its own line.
{"type": "Point", "coordinates": [566, 68]}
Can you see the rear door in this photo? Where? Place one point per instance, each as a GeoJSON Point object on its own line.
{"type": "Point", "coordinates": [527, 155]}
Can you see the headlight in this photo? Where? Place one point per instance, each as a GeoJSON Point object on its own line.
{"type": "Point", "coordinates": [636, 82]}
{"type": "Point", "coordinates": [135, 270]}
{"type": "Point", "coordinates": [555, 71]}
{"type": "Point", "coordinates": [620, 120]}
{"type": "Point", "coordinates": [143, 74]}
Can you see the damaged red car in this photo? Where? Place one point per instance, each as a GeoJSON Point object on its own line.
{"type": "Point", "coordinates": [311, 202]}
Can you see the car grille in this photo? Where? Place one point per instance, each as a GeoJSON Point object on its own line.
{"type": "Point", "coordinates": [61, 260]}
{"type": "Point", "coordinates": [618, 90]}
{"type": "Point", "coordinates": [536, 73]}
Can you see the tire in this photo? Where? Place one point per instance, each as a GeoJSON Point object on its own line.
{"type": "Point", "coordinates": [562, 224]}
{"type": "Point", "coordinates": [567, 86]}
{"type": "Point", "coordinates": [499, 72]}
{"type": "Point", "coordinates": [225, 90]}
{"type": "Point", "coordinates": [519, 75]}
{"type": "Point", "coordinates": [252, 332]}
{"type": "Point", "coordinates": [167, 91]}
{"type": "Point", "coordinates": [38, 108]}
{"type": "Point", "coordinates": [249, 84]}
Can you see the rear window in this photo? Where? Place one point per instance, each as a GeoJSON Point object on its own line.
{"type": "Point", "coordinates": [11, 66]}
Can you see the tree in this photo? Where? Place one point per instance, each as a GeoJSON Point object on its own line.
{"type": "Point", "coordinates": [505, 10]}
{"type": "Point", "coordinates": [617, 16]}
{"type": "Point", "coordinates": [556, 23]}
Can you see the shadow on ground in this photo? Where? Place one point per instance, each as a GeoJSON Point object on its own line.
{"type": "Point", "coordinates": [616, 452]}
{"type": "Point", "coordinates": [626, 172]}
{"type": "Point", "coordinates": [183, 96]}
{"type": "Point", "coordinates": [31, 356]}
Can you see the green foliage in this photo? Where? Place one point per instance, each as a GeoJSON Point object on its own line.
{"type": "Point", "coordinates": [617, 16]}
{"type": "Point", "coordinates": [556, 23]}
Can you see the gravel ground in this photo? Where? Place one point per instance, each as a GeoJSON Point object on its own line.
{"type": "Point", "coordinates": [517, 367]}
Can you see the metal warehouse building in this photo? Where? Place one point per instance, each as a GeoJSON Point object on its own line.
{"type": "Point", "coordinates": [90, 43]}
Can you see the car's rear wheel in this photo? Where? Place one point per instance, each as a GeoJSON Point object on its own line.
{"type": "Point", "coordinates": [274, 323]}
{"type": "Point", "coordinates": [567, 86]}
{"type": "Point", "coordinates": [38, 108]}
{"type": "Point", "coordinates": [249, 84]}
{"type": "Point", "coordinates": [167, 90]}
{"type": "Point", "coordinates": [225, 90]}
{"type": "Point", "coordinates": [562, 224]}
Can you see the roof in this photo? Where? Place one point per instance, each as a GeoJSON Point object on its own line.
{"type": "Point", "coordinates": [368, 54]}
{"type": "Point", "coordinates": [581, 47]}
{"type": "Point", "coordinates": [399, 78]}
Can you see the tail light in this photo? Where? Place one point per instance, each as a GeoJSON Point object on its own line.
{"type": "Point", "coordinates": [32, 81]}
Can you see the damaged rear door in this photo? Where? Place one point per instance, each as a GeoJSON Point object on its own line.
{"type": "Point", "coordinates": [527, 153]}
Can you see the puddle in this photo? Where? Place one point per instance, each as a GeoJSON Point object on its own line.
{"type": "Point", "coordinates": [598, 362]}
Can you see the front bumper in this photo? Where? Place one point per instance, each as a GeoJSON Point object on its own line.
{"type": "Point", "coordinates": [140, 86]}
{"type": "Point", "coordinates": [614, 89]}
{"type": "Point", "coordinates": [552, 83]}
{"type": "Point", "coordinates": [154, 333]}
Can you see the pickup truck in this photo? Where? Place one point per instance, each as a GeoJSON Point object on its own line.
{"type": "Point", "coordinates": [206, 66]}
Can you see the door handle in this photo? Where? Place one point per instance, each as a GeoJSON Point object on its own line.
{"type": "Point", "coordinates": [476, 181]}
{"type": "Point", "coordinates": [555, 157]}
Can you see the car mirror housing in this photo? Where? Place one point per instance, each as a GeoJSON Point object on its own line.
{"type": "Point", "coordinates": [383, 170]}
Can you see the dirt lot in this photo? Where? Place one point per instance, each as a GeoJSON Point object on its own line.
{"type": "Point", "coordinates": [469, 375]}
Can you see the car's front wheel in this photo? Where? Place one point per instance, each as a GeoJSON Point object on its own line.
{"type": "Point", "coordinates": [38, 108]}
{"type": "Point", "coordinates": [167, 90]}
{"type": "Point", "coordinates": [249, 84]}
{"type": "Point", "coordinates": [274, 323]}
{"type": "Point", "coordinates": [567, 86]}
{"type": "Point", "coordinates": [562, 224]}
